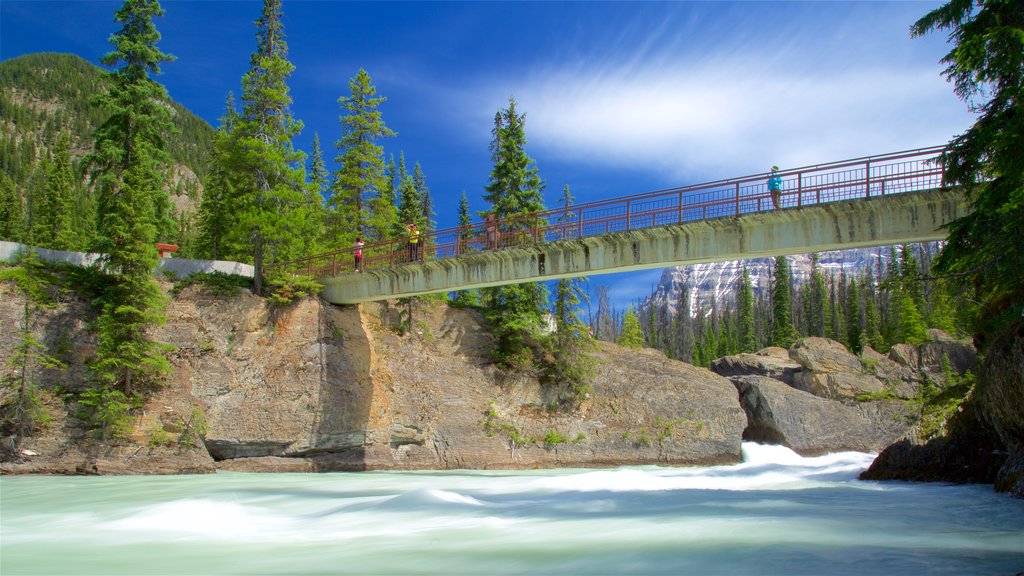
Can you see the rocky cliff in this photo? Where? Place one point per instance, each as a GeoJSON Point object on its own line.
{"type": "Point", "coordinates": [315, 387]}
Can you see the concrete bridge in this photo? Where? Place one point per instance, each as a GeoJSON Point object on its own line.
{"type": "Point", "coordinates": [873, 201]}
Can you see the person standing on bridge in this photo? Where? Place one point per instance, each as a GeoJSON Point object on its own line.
{"type": "Point", "coordinates": [414, 242]}
{"type": "Point", "coordinates": [357, 251]}
{"type": "Point", "coordinates": [775, 186]}
{"type": "Point", "coordinates": [491, 228]}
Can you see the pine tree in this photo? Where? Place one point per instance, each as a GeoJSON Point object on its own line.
{"type": "Point", "coordinates": [266, 170]}
{"type": "Point", "coordinates": [630, 336]}
{"type": "Point", "coordinates": [747, 337]}
{"type": "Point", "coordinates": [985, 249]}
{"type": "Point", "coordinates": [514, 189]}
{"type": "Point", "coordinates": [684, 326]}
{"type": "Point", "coordinates": [465, 232]}
{"type": "Point", "coordinates": [872, 330]}
{"type": "Point", "coordinates": [23, 414]}
{"type": "Point", "coordinates": [318, 174]}
{"type": "Point", "coordinates": [218, 211]}
{"type": "Point", "coordinates": [12, 225]}
{"type": "Point", "coordinates": [604, 325]}
{"type": "Point", "coordinates": [783, 333]}
{"type": "Point", "coordinates": [817, 307]}
{"type": "Point", "coordinates": [130, 154]}
{"type": "Point", "coordinates": [854, 332]}
{"type": "Point", "coordinates": [360, 176]}
{"type": "Point", "coordinates": [61, 197]}
{"type": "Point", "coordinates": [572, 340]}
{"type": "Point", "coordinates": [410, 208]}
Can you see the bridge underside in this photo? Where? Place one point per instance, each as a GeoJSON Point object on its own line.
{"type": "Point", "coordinates": [903, 218]}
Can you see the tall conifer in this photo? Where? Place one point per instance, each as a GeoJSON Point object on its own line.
{"type": "Point", "coordinates": [360, 176]}
{"type": "Point", "coordinates": [268, 173]}
{"type": "Point", "coordinates": [131, 156]}
{"type": "Point", "coordinates": [783, 333]}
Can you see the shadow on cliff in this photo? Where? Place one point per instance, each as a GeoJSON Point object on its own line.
{"type": "Point", "coordinates": [346, 391]}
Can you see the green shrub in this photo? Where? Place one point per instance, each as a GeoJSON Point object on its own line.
{"type": "Point", "coordinates": [218, 283]}
{"type": "Point", "coordinates": [553, 438]}
{"type": "Point", "coordinates": [108, 411]}
{"type": "Point", "coordinates": [285, 288]}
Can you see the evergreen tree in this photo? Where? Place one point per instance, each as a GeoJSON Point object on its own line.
{"type": "Point", "coordinates": [604, 324]}
{"type": "Point", "coordinates": [684, 326]}
{"type": "Point", "coordinates": [318, 174]}
{"type": "Point", "coordinates": [267, 172]}
{"type": "Point", "coordinates": [872, 330]}
{"type": "Point", "coordinates": [465, 232]}
{"type": "Point", "coordinates": [218, 211]}
{"type": "Point", "coordinates": [747, 337]}
{"type": "Point", "coordinates": [630, 336]}
{"type": "Point", "coordinates": [12, 226]}
{"type": "Point", "coordinates": [23, 412]}
{"type": "Point", "coordinates": [572, 340]}
{"type": "Point", "coordinates": [854, 333]}
{"type": "Point", "coordinates": [911, 325]}
{"type": "Point", "coordinates": [816, 306]}
{"type": "Point", "coordinates": [514, 189]}
{"type": "Point", "coordinates": [783, 332]}
{"type": "Point", "coordinates": [360, 176]}
{"type": "Point", "coordinates": [410, 209]}
{"type": "Point", "coordinates": [61, 197]}
{"type": "Point", "coordinates": [131, 153]}
{"type": "Point", "coordinates": [985, 250]}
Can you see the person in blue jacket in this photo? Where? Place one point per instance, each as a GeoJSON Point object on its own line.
{"type": "Point", "coordinates": [775, 186]}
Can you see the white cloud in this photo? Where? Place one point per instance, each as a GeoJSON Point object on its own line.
{"type": "Point", "coordinates": [732, 115]}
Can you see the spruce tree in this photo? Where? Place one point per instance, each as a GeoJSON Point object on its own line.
{"type": "Point", "coordinates": [572, 340]}
{"type": "Point", "coordinates": [61, 196]}
{"type": "Point", "coordinates": [514, 189]}
{"type": "Point", "coordinates": [783, 333]}
{"type": "Point", "coordinates": [130, 156]}
{"type": "Point", "coordinates": [218, 218]}
{"type": "Point", "coordinates": [12, 225]}
{"type": "Point", "coordinates": [360, 176]}
{"type": "Point", "coordinates": [985, 249]}
{"type": "Point", "coordinates": [266, 170]}
{"type": "Point", "coordinates": [630, 336]}
{"type": "Point", "coordinates": [745, 302]}
{"type": "Point", "coordinates": [684, 325]}
{"type": "Point", "coordinates": [854, 332]}
{"type": "Point", "coordinates": [23, 412]}
{"type": "Point", "coordinates": [604, 325]}
{"type": "Point", "coordinates": [465, 232]}
{"type": "Point", "coordinates": [318, 174]}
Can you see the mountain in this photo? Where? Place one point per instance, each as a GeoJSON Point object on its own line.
{"type": "Point", "coordinates": [717, 282]}
{"type": "Point", "coordinates": [45, 94]}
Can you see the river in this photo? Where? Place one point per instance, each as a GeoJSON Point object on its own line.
{"type": "Point", "coordinates": [775, 513]}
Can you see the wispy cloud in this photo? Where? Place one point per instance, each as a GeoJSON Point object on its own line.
{"type": "Point", "coordinates": [690, 96]}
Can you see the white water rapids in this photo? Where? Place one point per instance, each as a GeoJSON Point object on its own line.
{"type": "Point", "coordinates": [775, 513]}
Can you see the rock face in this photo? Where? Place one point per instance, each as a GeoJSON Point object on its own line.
{"type": "Point", "coordinates": [810, 425]}
{"type": "Point", "coordinates": [984, 441]}
{"type": "Point", "coordinates": [313, 387]}
{"type": "Point", "coordinates": [818, 397]}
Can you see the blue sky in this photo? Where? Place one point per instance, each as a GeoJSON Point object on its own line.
{"type": "Point", "coordinates": [620, 98]}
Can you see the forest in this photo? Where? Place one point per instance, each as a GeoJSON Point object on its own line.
{"type": "Point", "coordinates": [89, 165]}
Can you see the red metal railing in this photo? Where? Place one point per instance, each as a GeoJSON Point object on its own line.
{"type": "Point", "coordinates": [859, 178]}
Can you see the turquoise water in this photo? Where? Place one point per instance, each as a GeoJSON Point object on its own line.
{"type": "Point", "coordinates": [776, 513]}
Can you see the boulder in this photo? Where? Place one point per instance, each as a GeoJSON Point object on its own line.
{"type": "Point", "coordinates": [829, 370]}
{"type": "Point", "coordinates": [811, 425]}
{"type": "Point", "coordinates": [771, 362]}
{"type": "Point", "coordinates": [928, 358]}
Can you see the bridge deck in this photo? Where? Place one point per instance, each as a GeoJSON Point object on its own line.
{"type": "Point", "coordinates": [727, 219]}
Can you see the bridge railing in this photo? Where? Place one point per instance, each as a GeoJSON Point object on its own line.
{"type": "Point", "coordinates": [858, 178]}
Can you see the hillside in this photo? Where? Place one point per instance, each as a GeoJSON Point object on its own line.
{"type": "Point", "coordinates": [44, 95]}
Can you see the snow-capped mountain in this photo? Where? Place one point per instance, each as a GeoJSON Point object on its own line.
{"type": "Point", "coordinates": [717, 282]}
